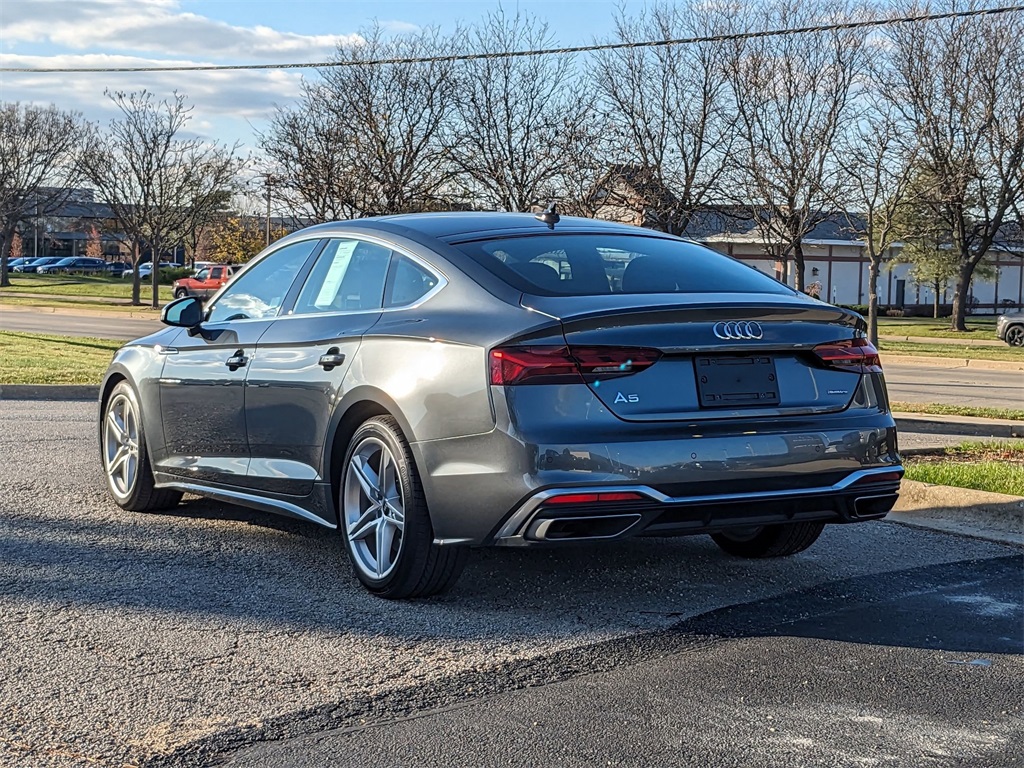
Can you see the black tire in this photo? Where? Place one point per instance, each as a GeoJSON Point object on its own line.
{"type": "Point", "coordinates": [140, 495]}
{"type": "Point", "coordinates": [1015, 335]}
{"type": "Point", "coordinates": [181, 293]}
{"type": "Point", "coordinates": [420, 568]}
{"type": "Point", "coordinates": [770, 540]}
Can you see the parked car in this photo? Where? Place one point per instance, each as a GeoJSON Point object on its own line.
{"type": "Point", "coordinates": [145, 270]}
{"type": "Point", "coordinates": [429, 383]}
{"type": "Point", "coordinates": [1010, 328]}
{"type": "Point", "coordinates": [19, 261]}
{"type": "Point", "coordinates": [117, 268]}
{"type": "Point", "coordinates": [205, 282]}
{"type": "Point", "coordinates": [73, 264]}
{"type": "Point", "coordinates": [31, 265]}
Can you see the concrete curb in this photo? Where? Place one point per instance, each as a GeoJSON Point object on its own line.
{"type": "Point", "coordinates": [964, 511]}
{"type": "Point", "coordinates": [958, 425]}
{"type": "Point", "coordinates": [990, 342]}
{"type": "Point", "coordinates": [946, 362]}
{"type": "Point", "coordinates": [49, 392]}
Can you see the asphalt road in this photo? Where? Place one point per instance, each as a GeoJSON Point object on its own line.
{"type": "Point", "coordinates": [104, 327]}
{"type": "Point", "coordinates": [955, 385]}
{"type": "Point", "coordinates": [181, 638]}
{"type": "Point", "coordinates": [920, 667]}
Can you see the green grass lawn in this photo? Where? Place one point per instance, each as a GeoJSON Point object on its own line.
{"type": "Point", "coordinates": [29, 358]}
{"type": "Point", "coordinates": [994, 467]}
{"type": "Point", "coordinates": [977, 327]}
{"type": "Point", "coordinates": [81, 285]}
{"type": "Point", "coordinates": [991, 476]}
{"type": "Point", "coordinates": [941, 409]}
{"type": "Point", "coordinates": [891, 350]}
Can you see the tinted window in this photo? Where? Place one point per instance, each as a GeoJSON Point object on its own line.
{"type": "Point", "coordinates": [260, 291]}
{"type": "Point", "coordinates": [409, 283]}
{"type": "Point", "coordinates": [348, 277]}
{"type": "Point", "coordinates": [579, 265]}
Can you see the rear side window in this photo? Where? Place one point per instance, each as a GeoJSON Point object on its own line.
{"type": "Point", "coordinates": [408, 283]}
{"type": "Point", "coordinates": [589, 265]}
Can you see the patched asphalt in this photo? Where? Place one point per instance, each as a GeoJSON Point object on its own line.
{"type": "Point", "coordinates": [177, 639]}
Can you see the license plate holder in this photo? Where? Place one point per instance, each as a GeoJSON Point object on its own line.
{"type": "Point", "coordinates": [736, 381]}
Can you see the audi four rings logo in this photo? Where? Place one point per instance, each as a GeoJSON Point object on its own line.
{"type": "Point", "coordinates": [741, 330]}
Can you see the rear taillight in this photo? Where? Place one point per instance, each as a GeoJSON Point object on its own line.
{"type": "Point", "coordinates": [558, 365]}
{"type": "Point", "coordinates": [855, 355]}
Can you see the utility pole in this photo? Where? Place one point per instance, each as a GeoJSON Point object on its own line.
{"type": "Point", "coordinates": [267, 178]}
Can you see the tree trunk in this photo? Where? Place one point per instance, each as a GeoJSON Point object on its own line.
{"type": "Point", "coordinates": [5, 253]}
{"type": "Point", "coordinates": [136, 282]}
{"type": "Point", "coordinates": [798, 265]}
{"type": "Point", "coordinates": [154, 275]}
{"type": "Point", "coordinates": [935, 299]}
{"type": "Point", "coordinates": [958, 322]}
{"type": "Point", "coordinates": [873, 269]}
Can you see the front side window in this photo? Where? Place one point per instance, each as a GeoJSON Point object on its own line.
{"type": "Point", "coordinates": [348, 276]}
{"type": "Point", "coordinates": [261, 290]}
{"type": "Point", "coordinates": [202, 274]}
{"type": "Point", "coordinates": [587, 265]}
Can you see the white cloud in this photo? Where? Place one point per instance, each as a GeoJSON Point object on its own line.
{"type": "Point", "coordinates": [156, 27]}
{"type": "Point", "coordinates": [228, 105]}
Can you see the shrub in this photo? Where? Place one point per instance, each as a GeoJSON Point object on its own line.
{"type": "Point", "coordinates": [168, 276]}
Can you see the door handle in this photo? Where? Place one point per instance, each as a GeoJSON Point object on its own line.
{"type": "Point", "coordinates": [332, 359]}
{"type": "Point", "coordinates": [237, 360]}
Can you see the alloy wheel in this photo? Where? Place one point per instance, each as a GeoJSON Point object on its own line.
{"type": "Point", "coordinates": [121, 445]}
{"type": "Point", "coordinates": [374, 509]}
{"type": "Point", "coordinates": [1015, 336]}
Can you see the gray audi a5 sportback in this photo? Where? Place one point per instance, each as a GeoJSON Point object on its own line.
{"type": "Point", "coordinates": [428, 383]}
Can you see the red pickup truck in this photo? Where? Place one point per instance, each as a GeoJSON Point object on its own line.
{"type": "Point", "coordinates": [204, 283]}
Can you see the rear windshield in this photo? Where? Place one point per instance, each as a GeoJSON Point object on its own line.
{"type": "Point", "coordinates": [588, 265]}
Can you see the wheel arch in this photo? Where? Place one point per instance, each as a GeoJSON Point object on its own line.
{"type": "Point", "coordinates": [356, 407]}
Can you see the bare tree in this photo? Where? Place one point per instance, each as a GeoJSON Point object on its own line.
{"type": "Point", "coordinates": [520, 119]}
{"type": "Point", "coordinates": [666, 111]}
{"type": "Point", "coordinates": [879, 171]}
{"type": "Point", "coordinates": [38, 147]}
{"type": "Point", "coordinates": [792, 96]}
{"type": "Point", "coordinates": [400, 120]}
{"type": "Point", "coordinates": [156, 183]}
{"type": "Point", "coordinates": [957, 82]}
{"type": "Point", "coordinates": [308, 157]}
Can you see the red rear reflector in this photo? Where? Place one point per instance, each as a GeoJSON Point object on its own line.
{"type": "Point", "coordinates": [558, 365]}
{"type": "Point", "coordinates": [855, 355]}
{"type": "Point", "coordinates": [595, 498]}
{"type": "Point", "coordinates": [880, 477]}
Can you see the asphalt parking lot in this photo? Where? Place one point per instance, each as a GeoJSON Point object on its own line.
{"type": "Point", "coordinates": [216, 634]}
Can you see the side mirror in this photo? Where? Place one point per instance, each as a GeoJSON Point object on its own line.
{"type": "Point", "coordinates": [186, 312]}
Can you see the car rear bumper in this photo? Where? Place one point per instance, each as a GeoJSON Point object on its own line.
{"type": "Point", "coordinates": [490, 489]}
{"type": "Point", "coordinates": [862, 495]}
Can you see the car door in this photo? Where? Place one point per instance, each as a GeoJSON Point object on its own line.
{"type": "Point", "coordinates": [297, 374]}
{"type": "Point", "coordinates": [212, 281]}
{"type": "Point", "coordinates": [202, 385]}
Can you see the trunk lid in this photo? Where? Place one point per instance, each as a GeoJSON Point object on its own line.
{"type": "Point", "coordinates": [721, 355]}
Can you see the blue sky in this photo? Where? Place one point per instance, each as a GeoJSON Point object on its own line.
{"type": "Point", "coordinates": [229, 106]}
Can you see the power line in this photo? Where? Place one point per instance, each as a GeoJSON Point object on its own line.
{"type": "Point", "coordinates": [539, 52]}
